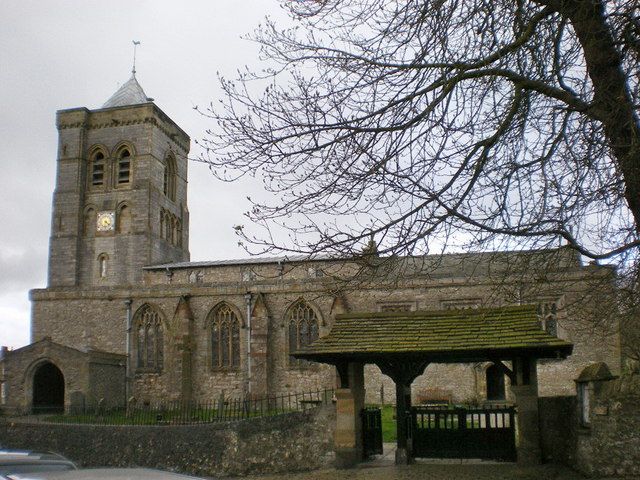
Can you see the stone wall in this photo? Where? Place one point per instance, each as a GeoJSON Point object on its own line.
{"type": "Point", "coordinates": [293, 442]}
{"type": "Point", "coordinates": [97, 318]}
{"type": "Point", "coordinates": [609, 445]}
{"type": "Point", "coordinates": [558, 429]}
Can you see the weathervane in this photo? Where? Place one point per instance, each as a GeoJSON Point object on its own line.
{"type": "Point", "coordinates": [135, 46]}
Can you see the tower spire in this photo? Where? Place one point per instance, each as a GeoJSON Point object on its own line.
{"type": "Point", "coordinates": [135, 46]}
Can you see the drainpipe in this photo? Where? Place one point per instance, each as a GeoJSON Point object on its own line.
{"type": "Point", "coordinates": [247, 300]}
{"type": "Point", "coordinates": [127, 383]}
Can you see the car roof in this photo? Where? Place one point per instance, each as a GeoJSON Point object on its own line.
{"type": "Point", "coordinates": [104, 474]}
{"type": "Point", "coordinates": [28, 455]}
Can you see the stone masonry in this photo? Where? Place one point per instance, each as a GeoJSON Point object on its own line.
{"type": "Point", "coordinates": [103, 277]}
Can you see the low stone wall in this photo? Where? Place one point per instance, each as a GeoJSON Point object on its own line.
{"type": "Point", "coordinates": [292, 442]}
{"type": "Point", "coordinates": [610, 445]}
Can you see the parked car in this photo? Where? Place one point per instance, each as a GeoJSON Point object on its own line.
{"type": "Point", "coordinates": [25, 461]}
{"type": "Point", "coordinates": [104, 474]}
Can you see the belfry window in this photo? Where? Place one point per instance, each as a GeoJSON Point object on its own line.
{"type": "Point", "coordinates": [124, 167]}
{"type": "Point", "coordinates": [169, 183]}
{"type": "Point", "coordinates": [225, 337]}
{"type": "Point", "coordinates": [97, 169]}
{"type": "Point", "coordinates": [149, 339]}
{"type": "Point", "coordinates": [303, 329]}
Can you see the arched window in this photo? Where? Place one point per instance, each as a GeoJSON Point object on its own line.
{"type": "Point", "coordinates": [303, 329]}
{"type": "Point", "coordinates": [169, 185]}
{"type": "Point", "coordinates": [149, 338]}
{"type": "Point", "coordinates": [124, 167]}
{"type": "Point", "coordinates": [167, 227]}
{"type": "Point", "coordinates": [162, 219]}
{"type": "Point", "coordinates": [495, 383]}
{"type": "Point", "coordinates": [124, 219]}
{"type": "Point", "coordinates": [103, 260]}
{"type": "Point", "coordinates": [97, 169]}
{"type": "Point", "coordinates": [225, 337]}
{"type": "Point", "coordinates": [178, 233]}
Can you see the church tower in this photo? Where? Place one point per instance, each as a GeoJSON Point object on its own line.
{"type": "Point", "coordinates": [120, 201]}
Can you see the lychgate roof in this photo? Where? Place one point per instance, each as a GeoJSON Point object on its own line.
{"type": "Point", "coordinates": [130, 93]}
{"type": "Point", "coordinates": [438, 336]}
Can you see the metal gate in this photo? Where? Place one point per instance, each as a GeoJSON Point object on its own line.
{"type": "Point", "coordinates": [371, 431]}
{"type": "Point", "coordinates": [487, 433]}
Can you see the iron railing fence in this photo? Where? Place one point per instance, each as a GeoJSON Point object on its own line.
{"type": "Point", "coordinates": [178, 412]}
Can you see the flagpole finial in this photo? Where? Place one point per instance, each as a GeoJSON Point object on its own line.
{"type": "Point", "coordinates": [135, 46]}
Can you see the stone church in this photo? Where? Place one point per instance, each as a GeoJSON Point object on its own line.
{"type": "Point", "coordinates": [127, 314]}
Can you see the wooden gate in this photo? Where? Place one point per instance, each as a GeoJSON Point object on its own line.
{"type": "Point", "coordinates": [487, 433]}
{"type": "Point", "coordinates": [371, 431]}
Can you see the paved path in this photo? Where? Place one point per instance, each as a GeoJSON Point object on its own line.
{"type": "Point", "coordinates": [430, 471]}
{"type": "Point", "coordinates": [382, 468]}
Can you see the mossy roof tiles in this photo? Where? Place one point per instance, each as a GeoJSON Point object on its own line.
{"type": "Point", "coordinates": [445, 336]}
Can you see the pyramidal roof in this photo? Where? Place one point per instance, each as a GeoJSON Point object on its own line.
{"type": "Point", "coordinates": [130, 93]}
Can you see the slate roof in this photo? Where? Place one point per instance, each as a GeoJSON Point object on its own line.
{"type": "Point", "coordinates": [439, 336]}
{"type": "Point", "coordinates": [130, 93]}
{"type": "Point", "coordinates": [239, 261]}
{"type": "Point", "coordinates": [467, 264]}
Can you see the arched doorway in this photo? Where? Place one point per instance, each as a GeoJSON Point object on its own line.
{"type": "Point", "coordinates": [48, 389]}
{"type": "Point", "coordinates": [495, 383]}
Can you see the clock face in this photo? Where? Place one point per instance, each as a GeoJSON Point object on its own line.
{"type": "Point", "coordinates": [106, 221]}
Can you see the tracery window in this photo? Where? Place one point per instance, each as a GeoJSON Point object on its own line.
{"type": "Point", "coordinates": [149, 339]}
{"type": "Point", "coordinates": [548, 316]}
{"type": "Point", "coordinates": [97, 169]}
{"type": "Point", "coordinates": [303, 329]}
{"type": "Point", "coordinates": [225, 337]}
{"type": "Point", "coordinates": [124, 167]}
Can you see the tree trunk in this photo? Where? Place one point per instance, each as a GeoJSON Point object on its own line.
{"type": "Point", "coordinates": [612, 104]}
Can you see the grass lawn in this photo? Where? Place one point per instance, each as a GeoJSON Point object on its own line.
{"type": "Point", "coordinates": [388, 424]}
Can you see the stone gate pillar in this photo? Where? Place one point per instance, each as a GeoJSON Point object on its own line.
{"type": "Point", "coordinates": [349, 405]}
{"type": "Point", "coordinates": [525, 391]}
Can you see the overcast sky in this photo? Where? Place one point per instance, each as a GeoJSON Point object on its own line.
{"type": "Point", "coordinates": [64, 54]}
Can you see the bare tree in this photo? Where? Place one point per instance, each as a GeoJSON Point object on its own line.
{"type": "Point", "coordinates": [504, 122]}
